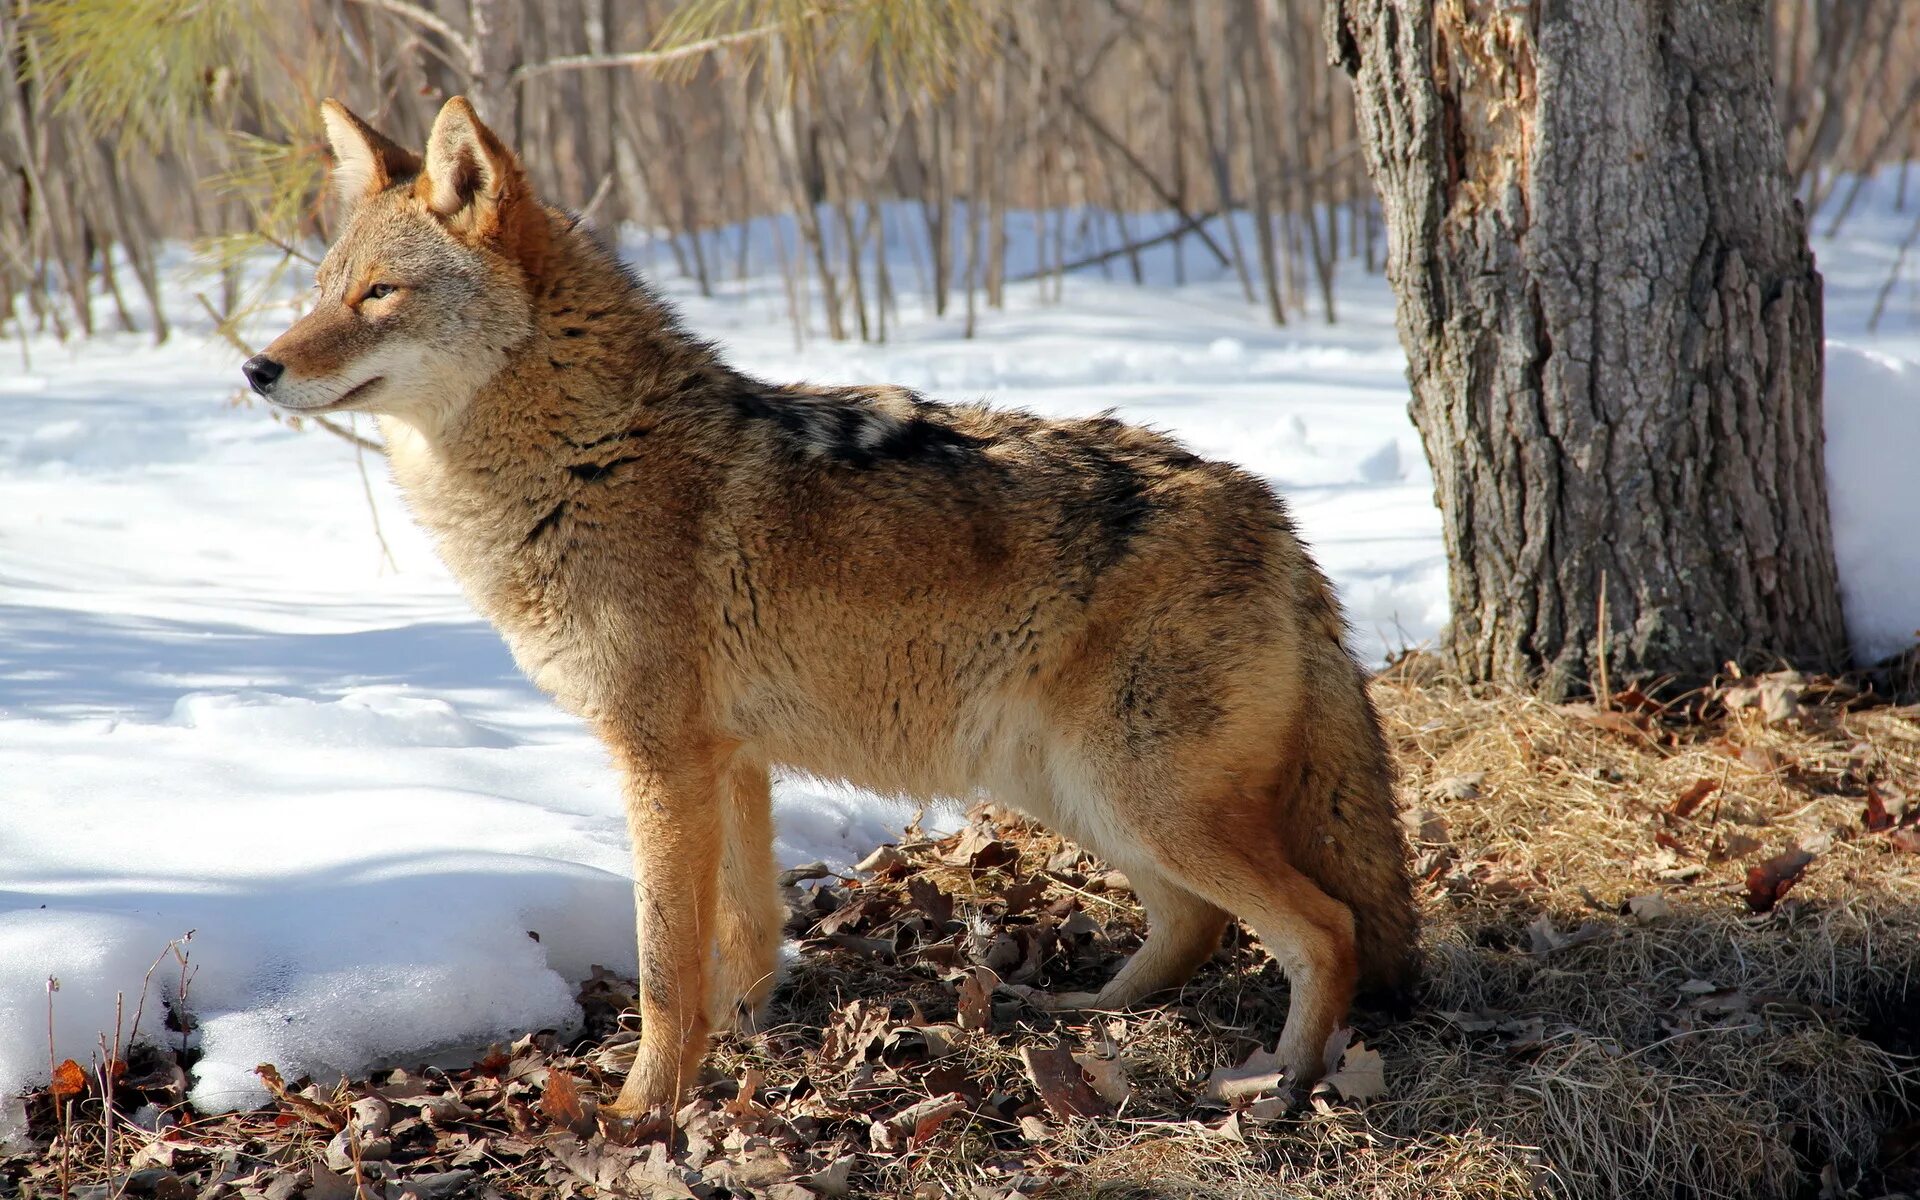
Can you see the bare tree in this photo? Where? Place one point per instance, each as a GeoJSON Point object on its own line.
{"type": "Point", "coordinates": [1613, 330]}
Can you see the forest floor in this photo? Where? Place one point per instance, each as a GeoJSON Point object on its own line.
{"type": "Point", "coordinates": [1670, 950]}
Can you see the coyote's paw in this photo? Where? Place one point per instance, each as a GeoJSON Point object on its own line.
{"type": "Point", "coordinates": [1047, 1001]}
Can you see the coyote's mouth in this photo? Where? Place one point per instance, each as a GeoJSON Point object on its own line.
{"type": "Point", "coordinates": [341, 401]}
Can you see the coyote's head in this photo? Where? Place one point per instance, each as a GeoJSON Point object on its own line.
{"type": "Point", "coordinates": [425, 292]}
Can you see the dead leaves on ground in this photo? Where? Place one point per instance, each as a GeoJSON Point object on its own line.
{"type": "Point", "coordinates": [903, 1043]}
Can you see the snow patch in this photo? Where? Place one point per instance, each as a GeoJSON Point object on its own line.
{"type": "Point", "coordinates": [368, 718]}
{"type": "Point", "coordinates": [1873, 442]}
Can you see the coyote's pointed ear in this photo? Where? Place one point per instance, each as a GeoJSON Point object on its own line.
{"type": "Point", "coordinates": [364, 161]}
{"type": "Point", "coordinates": [472, 180]}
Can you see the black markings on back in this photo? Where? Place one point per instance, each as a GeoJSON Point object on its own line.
{"type": "Point", "coordinates": [595, 472]}
{"type": "Point", "coordinates": [856, 429]}
{"type": "Point", "coordinates": [545, 524]}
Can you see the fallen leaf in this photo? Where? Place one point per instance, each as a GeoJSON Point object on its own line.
{"type": "Point", "coordinates": [1425, 827]}
{"type": "Point", "coordinates": [1730, 846]}
{"type": "Point", "coordinates": [331, 1185]}
{"type": "Point", "coordinates": [976, 998]}
{"type": "Point", "coordinates": [1260, 1072]}
{"type": "Point", "coordinates": [1469, 1022]}
{"type": "Point", "coordinates": [1768, 881]}
{"type": "Point", "coordinates": [1061, 1083]}
{"type": "Point", "coordinates": [869, 910]}
{"type": "Point", "coordinates": [1019, 897]}
{"type": "Point", "coordinates": [1546, 938]}
{"type": "Point", "coordinates": [563, 1105]}
{"type": "Point", "coordinates": [1361, 1075]}
{"type": "Point", "coordinates": [1107, 1075]}
{"type": "Point", "coordinates": [794, 876]}
{"type": "Point", "coordinates": [927, 1116]}
{"type": "Point", "coordinates": [1648, 908]}
{"type": "Point", "coordinates": [1605, 718]}
{"type": "Point", "coordinates": [1110, 881]}
{"type": "Point", "coordinates": [1876, 817]}
{"type": "Point", "coordinates": [69, 1080]}
{"type": "Point", "coordinates": [886, 860]}
{"type": "Point", "coordinates": [1686, 802]}
{"type": "Point", "coordinates": [1458, 787]}
{"type": "Point", "coordinates": [834, 1179]}
{"type": "Point", "coordinates": [935, 905]}
{"type": "Point", "coordinates": [313, 1112]}
{"type": "Point", "coordinates": [981, 851]}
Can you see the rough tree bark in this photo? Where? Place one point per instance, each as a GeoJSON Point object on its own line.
{"type": "Point", "coordinates": [1613, 330]}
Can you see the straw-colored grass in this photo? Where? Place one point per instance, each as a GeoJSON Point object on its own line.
{"type": "Point", "coordinates": [1703, 1050]}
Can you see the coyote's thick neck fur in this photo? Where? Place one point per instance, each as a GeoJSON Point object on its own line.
{"type": "Point", "coordinates": [1078, 617]}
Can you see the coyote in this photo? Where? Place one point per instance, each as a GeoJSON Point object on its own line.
{"type": "Point", "coordinates": [724, 576]}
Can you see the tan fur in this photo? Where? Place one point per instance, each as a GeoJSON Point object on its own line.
{"type": "Point", "coordinates": [725, 576]}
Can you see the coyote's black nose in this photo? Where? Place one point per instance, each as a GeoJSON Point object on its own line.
{"type": "Point", "coordinates": [262, 372]}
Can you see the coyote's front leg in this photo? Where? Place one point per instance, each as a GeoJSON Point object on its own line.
{"type": "Point", "coordinates": [674, 814]}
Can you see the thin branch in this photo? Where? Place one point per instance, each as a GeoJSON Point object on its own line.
{"type": "Point", "coordinates": [359, 443]}
{"type": "Point", "coordinates": [427, 19]}
{"type": "Point", "coordinates": [287, 248]}
{"type": "Point", "coordinates": [1186, 226]}
{"type": "Point", "coordinates": [366, 487]}
{"type": "Point", "coordinates": [635, 58]}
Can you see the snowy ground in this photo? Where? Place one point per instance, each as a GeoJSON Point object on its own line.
{"type": "Point", "coordinates": [221, 710]}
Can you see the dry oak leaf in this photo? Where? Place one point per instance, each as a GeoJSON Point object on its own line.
{"type": "Point", "coordinates": [1769, 881]}
{"type": "Point", "coordinates": [1648, 908]}
{"type": "Point", "coordinates": [976, 998]}
{"type": "Point", "coordinates": [562, 1104]}
{"type": "Point", "coordinates": [1107, 1075]}
{"type": "Point", "coordinates": [1061, 1083]}
{"type": "Point", "coordinates": [69, 1080]}
{"type": "Point", "coordinates": [1260, 1072]}
{"type": "Point", "coordinates": [1686, 802]}
{"type": "Point", "coordinates": [1361, 1074]}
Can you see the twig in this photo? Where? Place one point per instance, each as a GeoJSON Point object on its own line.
{"type": "Point", "coordinates": [287, 249]}
{"type": "Point", "coordinates": [347, 435]}
{"type": "Point", "coordinates": [223, 325]}
{"type": "Point", "coordinates": [427, 20]}
{"type": "Point", "coordinates": [634, 58]}
{"type": "Point", "coordinates": [366, 489]}
{"type": "Point", "coordinates": [599, 194]}
{"type": "Point", "coordinates": [1606, 692]}
{"type": "Point", "coordinates": [1893, 277]}
{"type": "Point", "coordinates": [1093, 260]}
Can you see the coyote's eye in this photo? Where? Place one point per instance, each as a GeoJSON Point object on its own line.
{"type": "Point", "coordinates": [380, 291]}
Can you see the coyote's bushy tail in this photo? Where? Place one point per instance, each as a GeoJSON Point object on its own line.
{"type": "Point", "coordinates": [1346, 835]}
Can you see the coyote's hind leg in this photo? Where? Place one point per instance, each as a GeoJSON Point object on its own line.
{"type": "Point", "coordinates": [1183, 931]}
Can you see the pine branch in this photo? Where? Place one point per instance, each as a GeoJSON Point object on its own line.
{"type": "Point", "coordinates": [638, 58]}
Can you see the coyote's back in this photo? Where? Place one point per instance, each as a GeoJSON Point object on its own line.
{"type": "Point", "coordinates": [1079, 617]}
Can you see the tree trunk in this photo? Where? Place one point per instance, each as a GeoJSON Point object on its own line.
{"type": "Point", "coordinates": [1613, 330]}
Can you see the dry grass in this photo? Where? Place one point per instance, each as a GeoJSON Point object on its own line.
{"type": "Point", "coordinates": [1603, 1013]}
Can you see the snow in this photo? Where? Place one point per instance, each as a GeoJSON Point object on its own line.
{"type": "Point", "coordinates": [223, 710]}
{"type": "Point", "coordinates": [1873, 435]}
